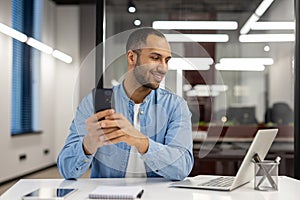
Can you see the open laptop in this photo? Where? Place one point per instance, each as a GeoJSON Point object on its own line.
{"type": "Point", "coordinates": [260, 145]}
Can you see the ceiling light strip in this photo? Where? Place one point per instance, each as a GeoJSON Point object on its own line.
{"type": "Point", "coordinates": [273, 26]}
{"type": "Point", "coordinates": [245, 67]}
{"type": "Point", "coordinates": [195, 25]}
{"type": "Point", "coordinates": [12, 33]}
{"type": "Point", "coordinates": [190, 63]}
{"type": "Point", "coordinates": [247, 26]}
{"type": "Point", "coordinates": [267, 38]}
{"type": "Point", "coordinates": [234, 61]}
{"type": "Point", "coordinates": [62, 56]}
{"type": "Point", "coordinates": [260, 10]}
{"type": "Point", "coordinates": [39, 45]}
{"type": "Point", "coordinates": [197, 37]}
{"type": "Point", "coordinates": [34, 43]}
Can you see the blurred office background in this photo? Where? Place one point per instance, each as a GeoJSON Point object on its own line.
{"type": "Point", "coordinates": [239, 76]}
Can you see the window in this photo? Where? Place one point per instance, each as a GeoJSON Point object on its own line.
{"type": "Point", "coordinates": [249, 84]}
{"type": "Point", "coordinates": [26, 18]}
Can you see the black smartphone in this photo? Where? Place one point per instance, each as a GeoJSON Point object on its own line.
{"type": "Point", "coordinates": [103, 99]}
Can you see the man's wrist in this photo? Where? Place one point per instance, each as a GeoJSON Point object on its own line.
{"type": "Point", "coordinates": [143, 145]}
{"type": "Point", "coordinates": [86, 150]}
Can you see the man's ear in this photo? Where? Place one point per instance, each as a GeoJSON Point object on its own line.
{"type": "Point", "coordinates": [131, 58]}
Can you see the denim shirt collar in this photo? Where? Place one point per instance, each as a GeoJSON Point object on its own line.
{"type": "Point", "coordinates": [122, 91]}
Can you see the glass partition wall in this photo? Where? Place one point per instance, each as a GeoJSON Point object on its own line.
{"type": "Point", "coordinates": [233, 62]}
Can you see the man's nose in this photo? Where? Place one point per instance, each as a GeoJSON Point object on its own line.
{"type": "Point", "coordinates": [163, 67]}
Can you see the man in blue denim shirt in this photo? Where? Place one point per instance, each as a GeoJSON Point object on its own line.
{"type": "Point", "coordinates": [163, 139]}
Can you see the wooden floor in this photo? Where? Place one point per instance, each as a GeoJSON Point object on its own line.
{"type": "Point", "coordinates": [51, 172]}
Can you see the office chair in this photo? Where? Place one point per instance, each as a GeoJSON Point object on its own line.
{"type": "Point", "coordinates": [242, 115]}
{"type": "Point", "coordinates": [281, 114]}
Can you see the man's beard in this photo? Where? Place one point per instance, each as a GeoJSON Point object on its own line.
{"type": "Point", "coordinates": [139, 74]}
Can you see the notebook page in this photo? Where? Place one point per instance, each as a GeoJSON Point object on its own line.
{"type": "Point", "coordinates": [116, 192]}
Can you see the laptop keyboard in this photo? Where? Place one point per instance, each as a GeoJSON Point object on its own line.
{"type": "Point", "coordinates": [219, 182]}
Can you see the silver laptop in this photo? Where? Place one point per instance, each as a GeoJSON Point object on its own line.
{"type": "Point", "coordinates": [260, 145]}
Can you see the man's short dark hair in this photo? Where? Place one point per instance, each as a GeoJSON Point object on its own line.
{"type": "Point", "coordinates": [138, 38]}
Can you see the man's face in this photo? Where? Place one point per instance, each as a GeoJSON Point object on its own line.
{"type": "Point", "coordinates": [152, 62]}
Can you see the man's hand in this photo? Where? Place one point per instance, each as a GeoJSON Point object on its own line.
{"type": "Point", "coordinates": [118, 129]}
{"type": "Point", "coordinates": [92, 141]}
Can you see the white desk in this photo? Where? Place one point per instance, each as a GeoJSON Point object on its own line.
{"type": "Point", "coordinates": [157, 188]}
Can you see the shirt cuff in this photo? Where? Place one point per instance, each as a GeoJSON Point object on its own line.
{"type": "Point", "coordinates": [83, 159]}
{"type": "Point", "coordinates": [153, 149]}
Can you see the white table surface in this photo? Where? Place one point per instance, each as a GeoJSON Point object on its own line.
{"type": "Point", "coordinates": [157, 188]}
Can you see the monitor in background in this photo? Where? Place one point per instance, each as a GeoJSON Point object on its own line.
{"type": "Point", "coordinates": [242, 115]}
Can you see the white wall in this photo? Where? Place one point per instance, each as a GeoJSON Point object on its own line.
{"type": "Point", "coordinates": [60, 30]}
{"type": "Point", "coordinates": [67, 40]}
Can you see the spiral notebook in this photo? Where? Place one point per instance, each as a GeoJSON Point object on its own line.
{"type": "Point", "coordinates": [116, 192]}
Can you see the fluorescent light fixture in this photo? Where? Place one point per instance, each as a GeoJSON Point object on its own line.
{"type": "Point", "coordinates": [196, 25]}
{"type": "Point", "coordinates": [215, 88]}
{"type": "Point", "coordinates": [62, 56]}
{"type": "Point", "coordinates": [190, 63]}
{"type": "Point", "coordinates": [219, 88]}
{"type": "Point", "coordinates": [240, 67]}
{"type": "Point", "coordinates": [202, 93]}
{"type": "Point", "coordinates": [13, 33]}
{"type": "Point", "coordinates": [200, 87]}
{"type": "Point", "coordinates": [39, 45]}
{"type": "Point", "coordinates": [273, 26]}
{"type": "Point", "coordinates": [191, 93]}
{"type": "Point", "coordinates": [186, 87]}
{"type": "Point", "coordinates": [197, 37]}
{"type": "Point", "coordinates": [206, 90]}
{"type": "Point", "coordinates": [246, 28]}
{"type": "Point", "coordinates": [267, 38]}
{"type": "Point", "coordinates": [252, 61]}
{"type": "Point", "coordinates": [261, 9]}
{"type": "Point", "coordinates": [34, 43]}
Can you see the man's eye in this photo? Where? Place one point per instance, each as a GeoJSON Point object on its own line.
{"type": "Point", "coordinates": [155, 58]}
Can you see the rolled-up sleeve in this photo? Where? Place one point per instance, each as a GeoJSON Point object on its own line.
{"type": "Point", "coordinates": [72, 161]}
{"type": "Point", "coordinates": [174, 159]}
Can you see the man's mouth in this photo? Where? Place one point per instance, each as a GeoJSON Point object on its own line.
{"type": "Point", "coordinates": [157, 77]}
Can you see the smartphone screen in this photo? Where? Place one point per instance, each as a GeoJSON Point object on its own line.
{"type": "Point", "coordinates": [49, 193]}
{"type": "Point", "coordinates": [103, 99]}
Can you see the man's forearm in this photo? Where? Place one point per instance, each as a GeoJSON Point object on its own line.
{"type": "Point", "coordinates": [72, 161]}
{"type": "Point", "coordinates": [173, 163]}
{"type": "Point", "coordinates": [142, 145]}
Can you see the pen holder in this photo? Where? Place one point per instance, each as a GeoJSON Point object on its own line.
{"type": "Point", "coordinates": [266, 176]}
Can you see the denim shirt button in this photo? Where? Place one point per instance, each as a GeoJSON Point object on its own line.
{"type": "Point", "coordinates": [141, 112]}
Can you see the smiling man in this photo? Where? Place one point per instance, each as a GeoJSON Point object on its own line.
{"type": "Point", "coordinates": [148, 134]}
